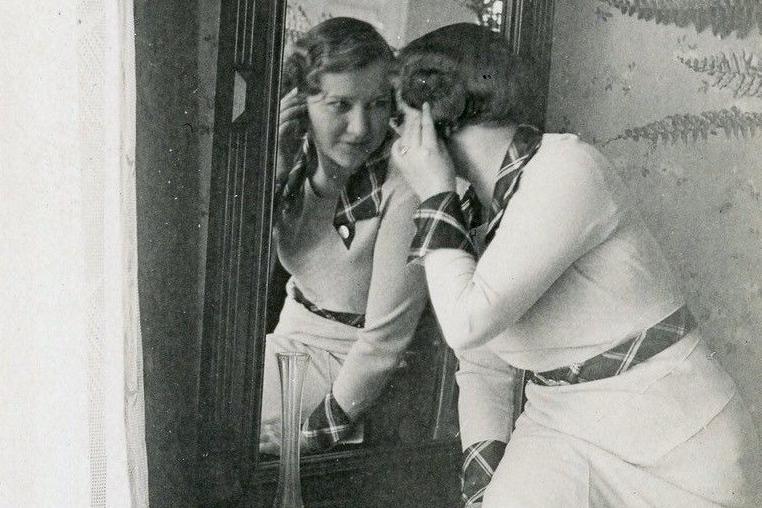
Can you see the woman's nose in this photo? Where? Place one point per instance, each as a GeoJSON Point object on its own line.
{"type": "Point", "coordinates": [358, 123]}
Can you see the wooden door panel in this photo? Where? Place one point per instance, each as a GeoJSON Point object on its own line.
{"type": "Point", "coordinates": [238, 244]}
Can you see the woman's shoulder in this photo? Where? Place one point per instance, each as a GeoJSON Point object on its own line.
{"type": "Point", "coordinates": [571, 149]}
{"type": "Point", "coordinates": [565, 163]}
{"type": "Point", "coordinates": [570, 160]}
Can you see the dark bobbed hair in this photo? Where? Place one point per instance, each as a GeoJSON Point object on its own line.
{"type": "Point", "coordinates": [336, 45]}
{"type": "Point", "coordinates": [469, 76]}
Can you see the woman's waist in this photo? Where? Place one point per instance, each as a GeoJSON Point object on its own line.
{"type": "Point", "coordinates": [299, 323]}
{"type": "Point", "coordinates": [354, 319]}
{"type": "Point", "coordinates": [549, 340]}
{"type": "Point", "coordinates": [657, 404]}
{"type": "Point", "coordinates": [330, 291]}
{"type": "Point", "coordinates": [636, 349]}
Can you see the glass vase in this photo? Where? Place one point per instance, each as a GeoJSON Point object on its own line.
{"type": "Point", "coordinates": [292, 367]}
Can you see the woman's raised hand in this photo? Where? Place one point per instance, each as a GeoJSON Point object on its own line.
{"type": "Point", "coordinates": [292, 124]}
{"type": "Point", "coordinates": [421, 156]}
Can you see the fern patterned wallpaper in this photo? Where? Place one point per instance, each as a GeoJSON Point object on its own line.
{"type": "Point", "coordinates": [674, 99]}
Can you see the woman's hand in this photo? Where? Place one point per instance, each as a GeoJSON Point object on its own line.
{"type": "Point", "coordinates": [269, 438]}
{"type": "Point", "coordinates": [421, 156]}
{"type": "Point", "coordinates": [292, 124]}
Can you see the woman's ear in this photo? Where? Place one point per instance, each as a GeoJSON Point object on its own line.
{"type": "Point", "coordinates": [397, 118]}
{"type": "Point", "coordinates": [396, 121]}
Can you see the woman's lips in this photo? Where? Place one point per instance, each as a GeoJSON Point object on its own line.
{"type": "Point", "coordinates": [355, 147]}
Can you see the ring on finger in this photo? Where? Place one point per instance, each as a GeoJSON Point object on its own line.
{"type": "Point", "coordinates": [403, 149]}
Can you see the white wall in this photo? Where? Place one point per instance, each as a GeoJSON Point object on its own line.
{"type": "Point", "coordinates": [611, 72]}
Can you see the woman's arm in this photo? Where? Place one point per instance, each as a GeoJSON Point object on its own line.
{"type": "Point", "coordinates": [396, 298]}
{"type": "Point", "coordinates": [486, 386]}
{"type": "Point", "coordinates": [561, 210]}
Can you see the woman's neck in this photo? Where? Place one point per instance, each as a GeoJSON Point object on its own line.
{"type": "Point", "coordinates": [327, 180]}
{"type": "Point", "coordinates": [478, 151]}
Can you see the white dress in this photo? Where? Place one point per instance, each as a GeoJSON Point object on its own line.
{"type": "Point", "coordinates": [372, 277]}
{"type": "Point", "coordinates": [572, 272]}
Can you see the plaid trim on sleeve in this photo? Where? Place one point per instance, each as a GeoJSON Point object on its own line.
{"type": "Point", "coordinates": [479, 463]}
{"type": "Point", "coordinates": [327, 425]}
{"type": "Point", "coordinates": [440, 224]}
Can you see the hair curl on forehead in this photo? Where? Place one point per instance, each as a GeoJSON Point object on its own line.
{"type": "Point", "coordinates": [336, 45]}
{"type": "Point", "coordinates": [468, 75]}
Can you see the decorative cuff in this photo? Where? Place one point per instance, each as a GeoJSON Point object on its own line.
{"type": "Point", "coordinates": [440, 225]}
{"type": "Point", "coordinates": [479, 463]}
{"type": "Point", "coordinates": [327, 425]}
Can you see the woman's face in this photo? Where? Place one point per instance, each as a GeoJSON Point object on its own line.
{"type": "Point", "coordinates": [350, 116]}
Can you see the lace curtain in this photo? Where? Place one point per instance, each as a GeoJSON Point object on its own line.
{"type": "Point", "coordinates": [71, 381]}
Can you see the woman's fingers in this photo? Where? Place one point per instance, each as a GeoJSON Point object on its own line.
{"type": "Point", "coordinates": [419, 129]}
{"type": "Point", "coordinates": [399, 148]}
{"type": "Point", "coordinates": [294, 114]}
{"type": "Point", "coordinates": [292, 105]}
{"type": "Point", "coordinates": [428, 132]}
{"type": "Point", "coordinates": [411, 130]}
{"type": "Point", "coordinates": [292, 118]}
{"type": "Point", "coordinates": [269, 439]}
{"type": "Point", "coordinates": [293, 128]}
{"type": "Point", "coordinates": [288, 99]}
{"type": "Point", "coordinates": [291, 93]}
{"type": "Point", "coordinates": [270, 448]}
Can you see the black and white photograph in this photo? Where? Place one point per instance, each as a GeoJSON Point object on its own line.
{"type": "Point", "coordinates": [381, 253]}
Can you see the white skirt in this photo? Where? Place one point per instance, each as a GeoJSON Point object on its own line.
{"type": "Point", "coordinates": [326, 341]}
{"type": "Point", "coordinates": [671, 432]}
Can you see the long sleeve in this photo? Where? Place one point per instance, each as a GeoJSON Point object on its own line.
{"type": "Point", "coordinates": [396, 298]}
{"type": "Point", "coordinates": [560, 212]}
{"type": "Point", "coordinates": [486, 385]}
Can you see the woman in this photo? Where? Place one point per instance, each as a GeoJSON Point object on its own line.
{"type": "Point", "coordinates": [342, 232]}
{"type": "Point", "coordinates": [626, 405]}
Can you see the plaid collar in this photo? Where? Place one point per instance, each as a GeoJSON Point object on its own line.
{"type": "Point", "coordinates": [526, 142]}
{"type": "Point", "coordinates": [361, 197]}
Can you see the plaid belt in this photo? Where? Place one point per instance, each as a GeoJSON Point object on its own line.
{"type": "Point", "coordinates": [623, 357]}
{"type": "Point", "coordinates": [347, 318]}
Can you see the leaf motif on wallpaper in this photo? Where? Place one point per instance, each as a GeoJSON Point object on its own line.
{"type": "Point", "coordinates": [688, 127]}
{"type": "Point", "coordinates": [298, 21]}
{"type": "Point", "coordinates": [741, 73]}
{"type": "Point", "coordinates": [723, 16]}
{"type": "Point", "coordinates": [488, 13]}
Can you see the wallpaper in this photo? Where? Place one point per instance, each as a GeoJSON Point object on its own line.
{"type": "Point", "coordinates": [673, 97]}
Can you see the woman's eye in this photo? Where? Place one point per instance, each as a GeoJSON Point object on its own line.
{"type": "Point", "coordinates": [340, 106]}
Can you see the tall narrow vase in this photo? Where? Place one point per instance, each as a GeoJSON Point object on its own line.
{"type": "Point", "coordinates": [292, 368]}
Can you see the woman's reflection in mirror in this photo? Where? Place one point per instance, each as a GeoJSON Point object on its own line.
{"type": "Point", "coordinates": [342, 231]}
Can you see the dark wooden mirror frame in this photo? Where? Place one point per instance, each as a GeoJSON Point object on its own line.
{"type": "Point", "coordinates": [236, 286]}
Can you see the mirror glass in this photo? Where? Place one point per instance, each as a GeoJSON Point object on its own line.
{"type": "Point", "coordinates": [331, 268]}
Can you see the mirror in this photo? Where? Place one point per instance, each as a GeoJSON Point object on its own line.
{"type": "Point", "coordinates": [341, 290]}
{"type": "Point", "coordinates": [398, 21]}
{"type": "Point", "coordinates": [404, 450]}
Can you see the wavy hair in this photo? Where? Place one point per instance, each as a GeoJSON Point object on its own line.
{"type": "Point", "coordinates": [469, 76]}
{"type": "Point", "coordinates": [336, 45]}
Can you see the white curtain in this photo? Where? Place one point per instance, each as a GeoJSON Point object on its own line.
{"type": "Point", "coordinates": [71, 380]}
